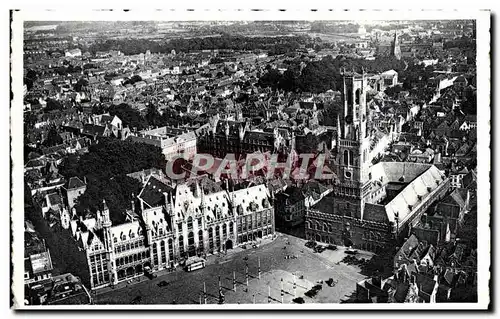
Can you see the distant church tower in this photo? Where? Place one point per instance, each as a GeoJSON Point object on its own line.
{"type": "Point", "coordinates": [353, 147]}
{"type": "Point", "coordinates": [395, 48]}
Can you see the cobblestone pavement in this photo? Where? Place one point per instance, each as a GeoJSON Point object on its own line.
{"type": "Point", "coordinates": [187, 288]}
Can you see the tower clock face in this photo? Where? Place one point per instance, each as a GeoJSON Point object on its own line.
{"type": "Point", "coordinates": [348, 119]}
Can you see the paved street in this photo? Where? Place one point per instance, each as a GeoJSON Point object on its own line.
{"type": "Point", "coordinates": [187, 288]}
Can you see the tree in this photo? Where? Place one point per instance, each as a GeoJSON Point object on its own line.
{"type": "Point", "coordinates": [129, 116]}
{"type": "Point", "coordinates": [105, 166]}
{"type": "Point", "coordinates": [52, 105]}
{"type": "Point", "coordinates": [81, 84]}
{"type": "Point", "coordinates": [53, 138]}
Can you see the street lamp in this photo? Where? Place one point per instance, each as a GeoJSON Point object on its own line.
{"type": "Point", "coordinates": [205, 293]}
{"type": "Point", "coordinates": [234, 281]}
{"type": "Point", "coordinates": [258, 269]}
{"type": "Point", "coordinates": [282, 291]}
{"type": "Point", "coordinates": [268, 294]}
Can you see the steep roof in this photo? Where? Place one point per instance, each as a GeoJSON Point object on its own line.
{"type": "Point", "coordinates": [74, 182]}
{"type": "Point", "coordinates": [456, 197]}
{"type": "Point", "coordinates": [420, 180]}
{"type": "Point", "coordinates": [153, 192]}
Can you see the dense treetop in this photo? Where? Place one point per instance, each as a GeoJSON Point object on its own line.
{"type": "Point", "coordinates": [323, 75]}
{"type": "Point", "coordinates": [105, 167]}
{"type": "Point", "coordinates": [277, 45]}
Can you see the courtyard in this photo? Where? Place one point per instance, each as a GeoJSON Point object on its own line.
{"type": "Point", "coordinates": [277, 272]}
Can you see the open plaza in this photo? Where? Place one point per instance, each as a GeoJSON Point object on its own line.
{"type": "Point", "coordinates": [307, 270]}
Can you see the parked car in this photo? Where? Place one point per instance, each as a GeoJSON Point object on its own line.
{"type": "Point", "coordinates": [163, 283]}
{"type": "Point", "coordinates": [313, 291]}
{"type": "Point", "coordinates": [299, 300]}
{"type": "Point", "coordinates": [148, 272]}
{"type": "Point", "coordinates": [351, 251]}
{"type": "Point", "coordinates": [319, 249]}
{"type": "Point", "coordinates": [311, 244]}
{"type": "Point", "coordinates": [330, 282]}
{"type": "Point", "coordinates": [331, 247]}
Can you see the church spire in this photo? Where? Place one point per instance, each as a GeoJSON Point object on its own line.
{"type": "Point", "coordinates": [396, 49]}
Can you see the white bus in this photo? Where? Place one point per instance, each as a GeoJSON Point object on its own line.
{"type": "Point", "coordinates": [193, 264]}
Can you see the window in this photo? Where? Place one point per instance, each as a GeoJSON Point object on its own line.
{"type": "Point", "coordinates": [231, 228]}
{"type": "Point", "coordinates": [181, 245]}
{"type": "Point", "coordinates": [199, 222]}
{"type": "Point", "coordinates": [179, 227]}
{"type": "Point", "coordinates": [163, 252]}
{"type": "Point", "coordinates": [357, 96]}
{"type": "Point", "coordinates": [190, 223]}
{"type": "Point", "coordinates": [155, 254]}
{"type": "Point", "coordinates": [170, 249]}
{"type": "Point", "coordinates": [346, 157]}
{"type": "Point", "coordinates": [200, 239]}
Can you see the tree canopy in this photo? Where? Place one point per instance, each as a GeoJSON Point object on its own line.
{"type": "Point", "coordinates": [53, 138]}
{"type": "Point", "coordinates": [276, 45]}
{"type": "Point", "coordinates": [105, 166]}
{"type": "Point", "coordinates": [323, 75]}
{"type": "Point", "coordinates": [130, 117]}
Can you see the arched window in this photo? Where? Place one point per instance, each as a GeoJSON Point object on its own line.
{"type": "Point", "coordinates": [181, 245]}
{"type": "Point", "coordinates": [357, 96]}
{"type": "Point", "coordinates": [349, 97]}
{"type": "Point", "coordinates": [217, 236]}
{"type": "Point", "coordinates": [346, 157]}
{"type": "Point", "coordinates": [190, 222]}
{"type": "Point", "coordinates": [231, 228]}
{"type": "Point", "coordinates": [351, 158]}
{"type": "Point", "coordinates": [163, 252]}
{"type": "Point", "coordinates": [325, 228]}
{"type": "Point", "coordinates": [191, 238]}
{"type": "Point", "coordinates": [170, 249]}
{"type": "Point", "coordinates": [200, 239]}
{"type": "Point", "coordinates": [224, 230]}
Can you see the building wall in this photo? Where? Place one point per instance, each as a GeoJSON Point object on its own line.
{"type": "Point", "coordinates": [73, 194]}
{"type": "Point", "coordinates": [122, 260]}
{"type": "Point", "coordinates": [334, 229]}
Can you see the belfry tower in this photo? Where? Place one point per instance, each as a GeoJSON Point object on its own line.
{"type": "Point", "coordinates": [353, 148]}
{"type": "Point", "coordinates": [395, 48]}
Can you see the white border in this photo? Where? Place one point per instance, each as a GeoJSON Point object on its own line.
{"type": "Point", "coordinates": [483, 75]}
